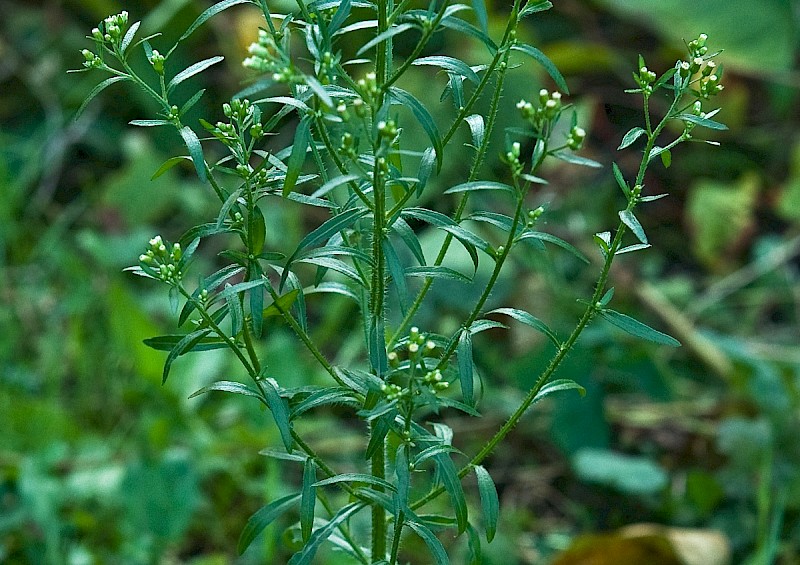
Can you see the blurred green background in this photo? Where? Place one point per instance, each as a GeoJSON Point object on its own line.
{"type": "Point", "coordinates": [101, 464]}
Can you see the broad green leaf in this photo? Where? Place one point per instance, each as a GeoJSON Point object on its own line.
{"type": "Point", "coordinates": [306, 555]}
{"type": "Point", "coordinates": [192, 70]}
{"type": "Point", "coordinates": [437, 272]}
{"type": "Point", "coordinates": [632, 222]}
{"type": "Point", "coordinates": [210, 13]}
{"type": "Point", "coordinates": [449, 64]}
{"type": "Point", "coordinates": [423, 117]}
{"type": "Point", "coordinates": [195, 151]}
{"type": "Point", "coordinates": [228, 386]}
{"type": "Point", "coordinates": [168, 343]}
{"type": "Point", "coordinates": [528, 320]}
{"type": "Point", "coordinates": [638, 329]}
{"type": "Point", "coordinates": [632, 135]}
{"type": "Point", "coordinates": [308, 499]}
{"type": "Point", "coordinates": [480, 185]}
{"type": "Point", "coordinates": [543, 60]}
{"type": "Point", "coordinates": [357, 478]}
{"type": "Point", "coordinates": [302, 137]}
{"type": "Point", "coordinates": [666, 158]}
{"type": "Point", "coordinates": [557, 386]}
{"type": "Point", "coordinates": [436, 548]}
{"type": "Point", "coordinates": [550, 238]}
{"type": "Point", "coordinates": [279, 409]}
{"type": "Point", "coordinates": [263, 518]}
{"type": "Point", "coordinates": [489, 501]}
{"type": "Point", "coordinates": [97, 90]}
{"type": "Point", "coordinates": [380, 38]}
{"type": "Point", "coordinates": [465, 366]}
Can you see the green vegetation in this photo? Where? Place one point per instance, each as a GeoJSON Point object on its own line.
{"type": "Point", "coordinates": [102, 464]}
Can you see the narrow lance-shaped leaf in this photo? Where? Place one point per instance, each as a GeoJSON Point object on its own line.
{"type": "Point", "coordinates": [195, 151]}
{"type": "Point", "coordinates": [210, 13]}
{"type": "Point", "coordinates": [263, 518]}
{"type": "Point", "coordinates": [452, 484]}
{"type": "Point", "coordinates": [423, 117]}
{"type": "Point", "coordinates": [479, 6]}
{"type": "Point", "coordinates": [465, 366]}
{"type": "Point", "coordinates": [632, 135]}
{"type": "Point", "coordinates": [97, 90]}
{"type": "Point", "coordinates": [632, 222]}
{"type": "Point", "coordinates": [186, 344]}
{"type": "Point", "coordinates": [306, 555]}
{"type": "Point", "coordinates": [557, 386]}
{"type": "Point", "coordinates": [545, 62]}
{"type": "Point", "coordinates": [434, 545]}
{"type": "Point", "coordinates": [280, 411]}
{"type": "Point", "coordinates": [192, 70]}
{"type": "Point", "coordinates": [529, 320]}
{"type": "Point", "coordinates": [380, 38]}
{"type": "Point", "coordinates": [298, 156]}
{"type": "Point", "coordinates": [489, 501]}
{"type": "Point", "coordinates": [228, 386]}
{"type": "Point", "coordinates": [638, 329]}
{"type": "Point", "coordinates": [397, 273]}
{"type": "Point", "coordinates": [308, 500]}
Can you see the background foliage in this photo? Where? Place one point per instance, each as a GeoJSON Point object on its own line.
{"type": "Point", "coordinates": [100, 464]}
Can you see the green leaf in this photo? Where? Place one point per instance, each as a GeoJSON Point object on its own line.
{"type": "Point", "coordinates": [543, 60]}
{"type": "Point", "coordinates": [306, 555]}
{"type": "Point", "coordinates": [703, 122]}
{"type": "Point", "coordinates": [380, 38]}
{"type": "Point", "coordinates": [210, 13]}
{"type": "Point", "coordinates": [434, 545]}
{"type": "Point", "coordinates": [631, 475]}
{"type": "Point", "coordinates": [324, 397]}
{"type": "Point", "coordinates": [302, 137]}
{"type": "Point", "coordinates": [339, 17]}
{"type": "Point", "coordinates": [333, 183]}
{"type": "Point", "coordinates": [195, 151]}
{"type": "Point", "coordinates": [452, 484]}
{"type": "Point", "coordinates": [557, 386]}
{"type": "Point", "coordinates": [621, 180]}
{"type": "Point", "coordinates": [401, 469]}
{"type": "Point", "coordinates": [666, 158]}
{"type": "Point", "coordinates": [168, 164]}
{"type": "Point", "coordinates": [319, 90]}
{"type": "Point", "coordinates": [479, 6]}
{"type": "Point", "coordinates": [185, 345]}
{"type": "Point", "coordinates": [411, 240]}
{"type": "Point", "coordinates": [168, 343]}
{"type": "Point", "coordinates": [529, 320]}
{"type": "Point", "coordinates": [256, 230]}
{"type": "Point", "coordinates": [192, 70]}
{"type": "Point", "coordinates": [534, 6]}
{"type": "Point", "coordinates": [263, 518]}
{"type": "Point", "coordinates": [129, 35]}
{"type": "Point", "coordinates": [437, 272]}
{"type": "Point", "coordinates": [423, 117]}
{"type": "Point", "coordinates": [97, 90]}
{"type": "Point", "coordinates": [638, 329]}
{"type": "Point", "coordinates": [380, 427]}
{"type": "Point", "coordinates": [308, 500]}
{"type": "Point", "coordinates": [550, 238]}
{"type": "Point", "coordinates": [189, 104]}
{"type": "Point", "coordinates": [632, 135]}
{"type": "Point", "coordinates": [279, 409]}
{"type": "Point", "coordinates": [489, 501]}
{"type": "Point", "coordinates": [465, 366]}
{"type": "Point", "coordinates": [357, 478]}
{"type": "Point", "coordinates": [228, 386]}
{"type": "Point", "coordinates": [573, 159]}
{"type": "Point", "coordinates": [479, 185]}
{"type": "Point", "coordinates": [477, 128]}
{"type": "Point", "coordinates": [632, 222]}
{"type": "Point", "coordinates": [397, 274]}
{"type": "Point", "coordinates": [451, 65]}
{"type": "Point", "coordinates": [149, 123]}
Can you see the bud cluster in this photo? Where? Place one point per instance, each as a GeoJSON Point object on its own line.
{"type": "Point", "coordinates": [546, 110]}
{"type": "Point", "coordinates": [418, 347]}
{"type": "Point", "coordinates": [512, 159]}
{"type": "Point", "coordinates": [368, 87]}
{"type": "Point", "coordinates": [163, 260]}
{"type": "Point", "coordinates": [266, 57]}
{"type": "Point", "coordinates": [533, 216]}
{"type": "Point", "coordinates": [112, 29]}
{"type": "Point", "coordinates": [645, 79]}
{"type": "Point", "coordinates": [700, 63]}
{"type": "Point", "coordinates": [576, 137]}
{"type": "Point", "coordinates": [157, 60]}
